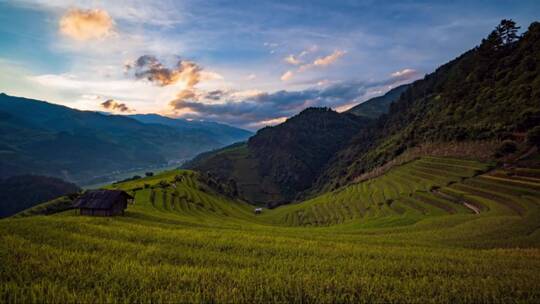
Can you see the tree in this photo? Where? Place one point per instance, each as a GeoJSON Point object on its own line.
{"type": "Point", "coordinates": [507, 31]}
{"type": "Point", "coordinates": [504, 34]}
{"type": "Point", "coordinates": [506, 147]}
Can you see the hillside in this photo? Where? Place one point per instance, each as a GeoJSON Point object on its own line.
{"type": "Point", "coordinates": [41, 138]}
{"type": "Point", "coordinates": [220, 133]}
{"type": "Point", "coordinates": [433, 229]}
{"type": "Point", "coordinates": [18, 193]}
{"type": "Point", "coordinates": [279, 162]}
{"type": "Point", "coordinates": [485, 96]}
{"type": "Point", "coordinates": [491, 92]}
{"type": "Point", "coordinates": [377, 106]}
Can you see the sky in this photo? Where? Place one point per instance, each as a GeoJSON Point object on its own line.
{"type": "Point", "coordinates": [245, 63]}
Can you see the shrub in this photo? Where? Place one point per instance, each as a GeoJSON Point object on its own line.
{"type": "Point", "coordinates": [163, 184]}
{"type": "Point", "coordinates": [148, 174]}
{"type": "Point", "coordinates": [506, 147]}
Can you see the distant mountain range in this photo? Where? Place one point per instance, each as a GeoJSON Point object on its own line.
{"type": "Point", "coordinates": [491, 92]}
{"type": "Point", "coordinates": [37, 137]}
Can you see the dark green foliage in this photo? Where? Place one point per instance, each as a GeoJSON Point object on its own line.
{"type": "Point", "coordinates": [22, 192]}
{"type": "Point", "coordinates": [54, 206]}
{"type": "Point", "coordinates": [506, 147]}
{"type": "Point", "coordinates": [377, 106]}
{"type": "Point", "coordinates": [507, 31]}
{"type": "Point", "coordinates": [147, 174]}
{"type": "Point", "coordinates": [279, 162]}
{"type": "Point", "coordinates": [487, 92]}
{"type": "Point", "coordinates": [533, 136]}
{"type": "Point", "coordinates": [42, 138]}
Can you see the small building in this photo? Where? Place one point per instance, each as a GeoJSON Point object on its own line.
{"type": "Point", "coordinates": [258, 210]}
{"type": "Point", "coordinates": [103, 202]}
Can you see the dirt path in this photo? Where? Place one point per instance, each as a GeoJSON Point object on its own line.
{"type": "Point", "coordinates": [472, 207]}
{"type": "Point", "coordinates": [468, 205]}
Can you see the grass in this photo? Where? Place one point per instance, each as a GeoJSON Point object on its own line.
{"type": "Point", "coordinates": [389, 239]}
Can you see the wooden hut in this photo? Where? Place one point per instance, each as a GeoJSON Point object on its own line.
{"type": "Point", "coordinates": [103, 202]}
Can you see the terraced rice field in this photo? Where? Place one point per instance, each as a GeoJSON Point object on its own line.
{"type": "Point", "coordinates": [433, 230]}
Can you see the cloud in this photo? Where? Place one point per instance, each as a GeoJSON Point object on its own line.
{"type": "Point", "coordinates": [251, 77]}
{"type": "Point", "coordinates": [114, 105]}
{"type": "Point", "coordinates": [328, 60]}
{"type": "Point", "coordinates": [257, 109]}
{"type": "Point", "coordinates": [317, 62]}
{"type": "Point", "coordinates": [84, 25]}
{"type": "Point", "coordinates": [296, 59]}
{"type": "Point", "coordinates": [404, 74]}
{"type": "Point", "coordinates": [287, 75]}
{"type": "Point", "coordinates": [291, 59]}
{"type": "Point", "coordinates": [150, 68]}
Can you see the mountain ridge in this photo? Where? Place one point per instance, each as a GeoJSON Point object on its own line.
{"type": "Point", "coordinates": [488, 93]}
{"type": "Point", "coordinates": [38, 137]}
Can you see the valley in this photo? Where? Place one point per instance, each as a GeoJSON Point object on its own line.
{"type": "Point", "coordinates": [406, 236]}
{"type": "Point", "coordinates": [321, 152]}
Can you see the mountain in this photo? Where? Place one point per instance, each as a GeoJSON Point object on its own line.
{"type": "Point", "coordinates": [279, 162]}
{"type": "Point", "coordinates": [37, 137]}
{"type": "Point", "coordinates": [489, 94]}
{"type": "Point", "coordinates": [377, 106]}
{"type": "Point", "coordinates": [222, 133]}
{"type": "Point", "coordinates": [21, 192]}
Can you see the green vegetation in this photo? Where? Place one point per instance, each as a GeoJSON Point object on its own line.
{"type": "Point", "coordinates": [47, 139]}
{"type": "Point", "coordinates": [18, 193]}
{"type": "Point", "coordinates": [411, 235]}
{"type": "Point", "coordinates": [487, 94]}
{"type": "Point", "coordinates": [378, 106]}
{"type": "Point", "coordinates": [279, 162]}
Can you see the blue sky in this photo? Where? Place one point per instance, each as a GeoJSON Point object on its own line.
{"type": "Point", "coordinates": [246, 63]}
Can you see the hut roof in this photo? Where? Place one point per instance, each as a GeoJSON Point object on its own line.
{"type": "Point", "coordinates": [100, 199]}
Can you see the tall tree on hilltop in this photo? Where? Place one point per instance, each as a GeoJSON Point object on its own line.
{"type": "Point", "coordinates": [507, 31]}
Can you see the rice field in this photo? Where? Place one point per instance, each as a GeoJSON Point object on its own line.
{"type": "Point", "coordinates": [435, 230]}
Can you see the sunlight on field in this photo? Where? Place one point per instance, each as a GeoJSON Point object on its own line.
{"type": "Point", "coordinates": [406, 236]}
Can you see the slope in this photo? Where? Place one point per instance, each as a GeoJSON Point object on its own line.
{"type": "Point", "coordinates": [18, 193]}
{"type": "Point", "coordinates": [279, 162]}
{"type": "Point", "coordinates": [377, 106]}
{"type": "Point", "coordinates": [489, 93]}
{"type": "Point", "coordinates": [42, 138]}
{"type": "Point", "coordinates": [180, 242]}
{"type": "Point", "coordinates": [221, 133]}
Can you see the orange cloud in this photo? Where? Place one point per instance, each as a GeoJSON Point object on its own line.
{"type": "Point", "coordinates": [291, 59]}
{"type": "Point", "coordinates": [327, 60]}
{"type": "Point", "coordinates": [114, 105]}
{"type": "Point", "coordinates": [86, 24]}
{"type": "Point", "coordinates": [287, 75]}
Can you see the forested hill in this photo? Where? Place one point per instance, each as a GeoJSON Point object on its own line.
{"type": "Point", "coordinates": [37, 137]}
{"type": "Point", "coordinates": [21, 192]}
{"type": "Point", "coordinates": [377, 106]}
{"type": "Point", "coordinates": [491, 92]}
{"type": "Point", "coordinates": [279, 162]}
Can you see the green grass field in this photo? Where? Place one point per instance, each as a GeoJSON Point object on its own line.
{"type": "Point", "coordinates": [433, 230]}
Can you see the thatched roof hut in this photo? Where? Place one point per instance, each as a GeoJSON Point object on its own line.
{"type": "Point", "coordinates": [103, 202]}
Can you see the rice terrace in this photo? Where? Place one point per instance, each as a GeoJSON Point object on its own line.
{"type": "Point", "coordinates": [198, 152]}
